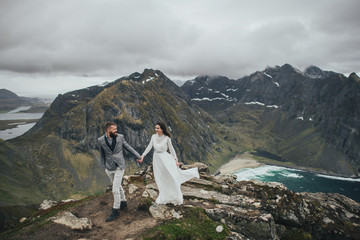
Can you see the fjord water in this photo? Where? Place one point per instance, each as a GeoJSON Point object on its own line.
{"type": "Point", "coordinates": [302, 181]}
{"type": "Point", "coordinates": [18, 114]}
{"type": "Point", "coordinates": [21, 127]}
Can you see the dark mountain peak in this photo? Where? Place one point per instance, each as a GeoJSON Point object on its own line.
{"type": "Point", "coordinates": [150, 73]}
{"type": "Point", "coordinates": [6, 94]}
{"type": "Point", "coordinates": [272, 68]}
{"type": "Point", "coordinates": [67, 101]}
{"type": "Point", "coordinates": [287, 66]}
{"type": "Point", "coordinates": [316, 72]}
{"type": "Point", "coordinates": [147, 75]}
{"type": "Point", "coordinates": [313, 69]}
{"type": "Point", "coordinates": [210, 87]}
{"type": "Point", "coordinates": [290, 69]}
{"type": "Point", "coordinates": [271, 72]}
{"type": "Point", "coordinates": [209, 80]}
{"type": "Point", "coordinates": [203, 79]}
{"type": "Point", "coordinates": [310, 72]}
{"type": "Point", "coordinates": [9, 100]}
{"type": "Point", "coordinates": [199, 80]}
{"type": "Point", "coordinates": [135, 76]}
{"type": "Point", "coordinates": [355, 77]}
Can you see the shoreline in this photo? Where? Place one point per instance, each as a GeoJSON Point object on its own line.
{"type": "Point", "coordinates": [246, 160]}
{"type": "Point", "coordinates": [240, 161]}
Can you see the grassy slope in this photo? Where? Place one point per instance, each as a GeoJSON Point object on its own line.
{"type": "Point", "coordinates": [17, 185]}
{"type": "Point", "coordinates": [55, 168]}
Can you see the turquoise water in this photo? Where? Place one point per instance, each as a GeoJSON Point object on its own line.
{"type": "Point", "coordinates": [302, 181]}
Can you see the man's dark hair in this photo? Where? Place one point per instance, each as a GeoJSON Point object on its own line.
{"type": "Point", "coordinates": [108, 125]}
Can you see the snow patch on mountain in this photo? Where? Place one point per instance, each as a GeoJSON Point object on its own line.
{"type": "Point", "coordinates": [255, 103]}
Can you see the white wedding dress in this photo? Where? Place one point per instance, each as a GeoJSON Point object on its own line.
{"type": "Point", "coordinates": [168, 176]}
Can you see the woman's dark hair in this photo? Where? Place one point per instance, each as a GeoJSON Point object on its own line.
{"type": "Point", "coordinates": [163, 127]}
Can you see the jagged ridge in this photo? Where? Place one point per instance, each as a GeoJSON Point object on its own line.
{"type": "Point", "coordinates": [61, 150]}
{"type": "Point", "coordinates": [315, 110]}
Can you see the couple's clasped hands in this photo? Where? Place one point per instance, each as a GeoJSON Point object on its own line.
{"type": "Point", "coordinates": [140, 160]}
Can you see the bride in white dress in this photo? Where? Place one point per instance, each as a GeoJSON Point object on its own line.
{"type": "Point", "coordinates": [168, 175]}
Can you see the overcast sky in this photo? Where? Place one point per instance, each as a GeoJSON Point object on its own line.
{"type": "Point", "coordinates": [51, 47]}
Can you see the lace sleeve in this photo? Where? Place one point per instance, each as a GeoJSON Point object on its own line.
{"type": "Point", "coordinates": [147, 150]}
{"type": "Point", "coordinates": [171, 148]}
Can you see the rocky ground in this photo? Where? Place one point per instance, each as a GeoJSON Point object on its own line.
{"type": "Point", "coordinates": [215, 207]}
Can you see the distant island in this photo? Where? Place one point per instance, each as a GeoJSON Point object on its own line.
{"type": "Point", "coordinates": [10, 101]}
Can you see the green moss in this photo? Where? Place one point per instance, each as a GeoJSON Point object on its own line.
{"type": "Point", "coordinates": [195, 224]}
{"type": "Point", "coordinates": [296, 235]}
{"type": "Point", "coordinates": [145, 204]}
{"type": "Point", "coordinates": [214, 201]}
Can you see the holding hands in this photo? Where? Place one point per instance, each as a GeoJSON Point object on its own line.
{"type": "Point", "coordinates": [141, 159]}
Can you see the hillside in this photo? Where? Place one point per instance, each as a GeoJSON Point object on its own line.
{"type": "Point", "coordinates": [281, 115]}
{"type": "Point", "coordinates": [58, 158]}
{"type": "Point", "coordinates": [305, 118]}
{"type": "Point", "coordinates": [215, 207]}
{"type": "Point", "coordinates": [10, 101]}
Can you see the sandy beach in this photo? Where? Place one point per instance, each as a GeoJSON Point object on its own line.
{"type": "Point", "coordinates": [240, 161]}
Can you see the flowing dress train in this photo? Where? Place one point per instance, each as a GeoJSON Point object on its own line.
{"type": "Point", "coordinates": [168, 176]}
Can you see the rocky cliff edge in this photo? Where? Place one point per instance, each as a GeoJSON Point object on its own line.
{"type": "Point", "coordinates": [215, 207]}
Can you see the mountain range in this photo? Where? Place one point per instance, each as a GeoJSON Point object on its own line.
{"type": "Point", "coordinates": [282, 115]}
{"type": "Point", "coordinates": [10, 101]}
{"type": "Point", "coordinates": [308, 118]}
{"type": "Point", "coordinates": [58, 158]}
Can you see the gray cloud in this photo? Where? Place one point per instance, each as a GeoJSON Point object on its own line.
{"type": "Point", "coordinates": [181, 38]}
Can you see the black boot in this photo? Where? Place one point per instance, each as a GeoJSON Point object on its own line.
{"type": "Point", "coordinates": [123, 205]}
{"type": "Point", "coordinates": [114, 215]}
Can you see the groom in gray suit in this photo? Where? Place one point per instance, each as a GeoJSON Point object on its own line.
{"type": "Point", "coordinates": [111, 149]}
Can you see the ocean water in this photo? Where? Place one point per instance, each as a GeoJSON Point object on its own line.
{"type": "Point", "coordinates": [17, 114]}
{"type": "Point", "coordinates": [302, 181]}
{"type": "Point", "coordinates": [21, 127]}
{"type": "Point", "coordinates": [15, 132]}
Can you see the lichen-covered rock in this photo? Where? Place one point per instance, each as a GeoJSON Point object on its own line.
{"type": "Point", "coordinates": [235, 210]}
{"type": "Point", "coordinates": [254, 224]}
{"type": "Point", "coordinates": [46, 204]}
{"type": "Point", "coordinates": [226, 179]}
{"type": "Point", "coordinates": [132, 188]}
{"type": "Point", "coordinates": [160, 211]}
{"type": "Point", "coordinates": [151, 191]}
{"type": "Point", "coordinates": [265, 210]}
{"type": "Point", "coordinates": [70, 220]}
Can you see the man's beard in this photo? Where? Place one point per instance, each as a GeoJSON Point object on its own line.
{"type": "Point", "coordinates": [113, 134]}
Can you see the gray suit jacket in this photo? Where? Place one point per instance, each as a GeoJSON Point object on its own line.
{"type": "Point", "coordinates": [109, 158]}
